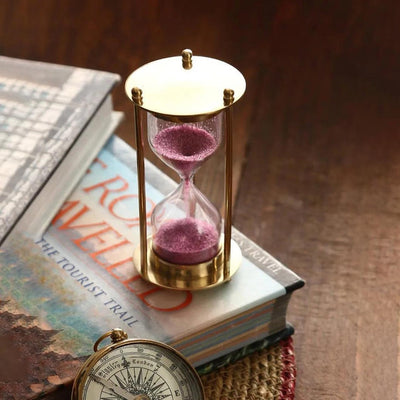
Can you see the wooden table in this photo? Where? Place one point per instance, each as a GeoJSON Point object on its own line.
{"type": "Point", "coordinates": [317, 150]}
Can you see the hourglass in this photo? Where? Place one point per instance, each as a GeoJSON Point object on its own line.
{"type": "Point", "coordinates": [184, 105]}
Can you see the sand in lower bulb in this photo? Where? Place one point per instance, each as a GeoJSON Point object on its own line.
{"type": "Point", "coordinates": [186, 241]}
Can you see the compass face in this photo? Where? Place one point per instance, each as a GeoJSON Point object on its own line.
{"type": "Point", "coordinates": [142, 370]}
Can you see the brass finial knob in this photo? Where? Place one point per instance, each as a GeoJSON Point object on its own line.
{"type": "Point", "coordinates": [187, 55]}
{"type": "Point", "coordinates": [228, 97]}
{"type": "Point", "coordinates": [117, 335]}
{"type": "Point", "coordinates": [137, 96]}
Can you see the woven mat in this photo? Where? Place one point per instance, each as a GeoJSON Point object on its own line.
{"type": "Point", "coordinates": [267, 374]}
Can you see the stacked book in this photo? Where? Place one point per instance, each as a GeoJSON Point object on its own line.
{"type": "Point", "coordinates": [68, 285]}
{"type": "Point", "coordinates": [54, 120]}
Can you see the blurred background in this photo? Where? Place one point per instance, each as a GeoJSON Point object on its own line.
{"type": "Point", "coordinates": [309, 63]}
{"type": "Point", "coordinates": [316, 143]}
{"type": "Point", "coordinates": [304, 62]}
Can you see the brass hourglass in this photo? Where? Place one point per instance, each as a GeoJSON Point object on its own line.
{"type": "Point", "coordinates": [184, 105]}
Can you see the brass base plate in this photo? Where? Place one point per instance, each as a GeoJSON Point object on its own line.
{"type": "Point", "coordinates": [187, 277]}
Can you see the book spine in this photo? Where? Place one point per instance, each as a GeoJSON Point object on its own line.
{"type": "Point", "coordinates": [245, 351]}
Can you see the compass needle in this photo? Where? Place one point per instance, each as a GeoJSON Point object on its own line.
{"type": "Point", "coordinates": [139, 378]}
{"type": "Point", "coordinates": [122, 384]}
{"type": "Point", "coordinates": [155, 388]}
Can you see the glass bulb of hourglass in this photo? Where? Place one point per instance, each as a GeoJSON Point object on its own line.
{"type": "Point", "coordinates": [186, 225]}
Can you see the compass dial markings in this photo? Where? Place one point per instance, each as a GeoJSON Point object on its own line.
{"type": "Point", "coordinates": [144, 370]}
{"type": "Point", "coordinates": [126, 365]}
{"type": "Point", "coordinates": [142, 380]}
{"type": "Point", "coordinates": [149, 380]}
{"type": "Point", "coordinates": [115, 389]}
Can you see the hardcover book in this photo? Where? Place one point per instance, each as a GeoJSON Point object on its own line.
{"type": "Point", "coordinates": [65, 289]}
{"type": "Point", "coordinates": [54, 119]}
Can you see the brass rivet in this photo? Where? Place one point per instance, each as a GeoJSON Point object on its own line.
{"type": "Point", "coordinates": [137, 96]}
{"type": "Point", "coordinates": [228, 97]}
{"type": "Point", "coordinates": [187, 55]}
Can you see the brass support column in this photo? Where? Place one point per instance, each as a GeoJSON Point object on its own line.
{"type": "Point", "coordinates": [138, 101]}
{"type": "Point", "coordinates": [228, 101]}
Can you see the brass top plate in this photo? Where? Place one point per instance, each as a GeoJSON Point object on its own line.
{"type": "Point", "coordinates": [171, 90]}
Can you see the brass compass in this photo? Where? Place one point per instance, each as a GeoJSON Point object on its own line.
{"type": "Point", "coordinates": [136, 369]}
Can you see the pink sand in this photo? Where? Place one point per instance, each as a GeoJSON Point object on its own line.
{"type": "Point", "coordinates": [186, 241]}
{"type": "Point", "coordinates": [184, 147]}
